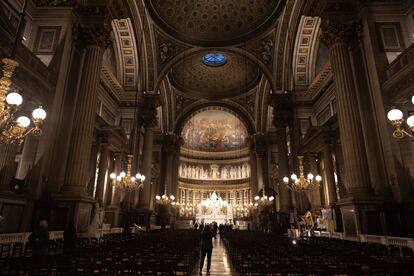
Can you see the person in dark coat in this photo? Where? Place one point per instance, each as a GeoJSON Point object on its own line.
{"type": "Point", "coordinates": [40, 239]}
{"type": "Point", "coordinates": [215, 227]}
{"type": "Point", "coordinates": [206, 247]}
{"type": "Point", "coordinates": [69, 238]}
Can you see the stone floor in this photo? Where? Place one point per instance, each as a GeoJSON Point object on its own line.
{"type": "Point", "coordinates": [220, 263]}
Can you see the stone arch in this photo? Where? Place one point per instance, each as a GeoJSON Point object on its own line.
{"type": "Point", "coordinates": [147, 50]}
{"type": "Point", "coordinates": [178, 58]}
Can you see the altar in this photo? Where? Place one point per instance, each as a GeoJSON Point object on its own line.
{"type": "Point", "coordinates": [214, 209]}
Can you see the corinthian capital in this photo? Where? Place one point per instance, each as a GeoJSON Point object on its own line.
{"type": "Point", "coordinates": [92, 35]}
{"type": "Point", "coordinates": [341, 33]}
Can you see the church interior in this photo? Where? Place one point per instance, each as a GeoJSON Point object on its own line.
{"type": "Point", "coordinates": [279, 132]}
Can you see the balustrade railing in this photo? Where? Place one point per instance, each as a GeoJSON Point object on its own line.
{"type": "Point", "coordinates": [385, 240]}
{"type": "Point", "coordinates": [54, 235]}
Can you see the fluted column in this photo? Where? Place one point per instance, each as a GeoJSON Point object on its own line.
{"type": "Point", "coordinates": [145, 200]}
{"type": "Point", "coordinates": [95, 38]}
{"type": "Point", "coordinates": [116, 193]}
{"type": "Point", "coordinates": [284, 191]}
{"type": "Point", "coordinates": [259, 151]}
{"type": "Point", "coordinates": [338, 37]}
{"type": "Point", "coordinates": [170, 148]}
{"type": "Point", "coordinates": [7, 156]}
{"type": "Point", "coordinates": [103, 173]}
{"type": "Point", "coordinates": [316, 193]}
{"type": "Point", "coordinates": [328, 175]}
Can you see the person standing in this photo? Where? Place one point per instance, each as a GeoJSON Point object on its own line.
{"type": "Point", "coordinates": [69, 238]}
{"type": "Point", "coordinates": [215, 228]}
{"type": "Point", "coordinates": [206, 247]}
{"type": "Point", "coordinates": [40, 239]}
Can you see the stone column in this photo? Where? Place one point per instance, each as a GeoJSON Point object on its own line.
{"type": "Point", "coordinates": [7, 156]}
{"type": "Point", "coordinates": [116, 194]}
{"type": "Point", "coordinates": [95, 39]}
{"type": "Point", "coordinates": [259, 149]}
{"type": "Point", "coordinates": [145, 194]}
{"type": "Point", "coordinates": [170, 142]}
{"type": "Point", "coordinates": [103, 174]}
{"type": "Point", "coordinates": [338, 37]}
{"type": "Point", "coordinates": [328, 177]}
{"type": "Point", "coordinates": [284, 191]}
{"type": "Point", "coordinates": [315, 195]}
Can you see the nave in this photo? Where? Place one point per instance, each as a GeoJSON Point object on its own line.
{"type": "Point", "coordinates": [220, 262]}
{"type": "Point", "coordinates": [177, 252]}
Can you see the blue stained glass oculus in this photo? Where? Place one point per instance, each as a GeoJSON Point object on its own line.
{"type": "Point", "coordinates": [214, 59]}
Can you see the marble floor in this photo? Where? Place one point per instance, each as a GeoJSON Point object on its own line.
{"type": "Point", "coordinates": [220, 263]}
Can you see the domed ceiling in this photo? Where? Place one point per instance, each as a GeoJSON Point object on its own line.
{"type": "Point", "coordinates": [214, 130]}
{"type": "Point", "coordinates": [214, 22]}
{"type": "Point", "coordinates": [235, 77]}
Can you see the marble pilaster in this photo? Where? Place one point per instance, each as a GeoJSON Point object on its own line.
{"type": "Point", "coordinates": [103, 174]}
{"type": "Point", "coordinates": [284, 192]}
{"type": "Point", "coordinates": [7, 156]}
{"type": "Point", "coordinates": [328, 177]}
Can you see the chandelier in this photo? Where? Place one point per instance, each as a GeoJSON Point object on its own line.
{"type": "Point", "coordinates": [263, 200]}
{"type": "Point", "coordinates": [396, 118]}
{"type": "Point", "coordinates": [13, 131]}
{"type": "Point", "coordinates": [165, 200]}
{"type": "Point", "coordinates": [302, 183]}
{"type": "Point", "coordinates": [125, 180]}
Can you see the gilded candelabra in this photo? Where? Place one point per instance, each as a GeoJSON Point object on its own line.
{"type": "Point", "coordinates": [165, 200]}
{"type": "Point", "coordinates": [263, 200]}
{"type": "Point", "coordinates": [126, 180]}
{"type": "Point", "coordinates": [13, 131]}
{"type": "Point", "coordinates": [302, 183]}
{"type": "Point", "coordinates": [396, 118]}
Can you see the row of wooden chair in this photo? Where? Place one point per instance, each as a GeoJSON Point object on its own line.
{"type": "Point", "coordinates": [156, 253]}
{"type": "Point", "coordinates": [255, 253]}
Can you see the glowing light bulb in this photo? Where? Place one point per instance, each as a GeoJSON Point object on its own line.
{"type": "Point", "coordinates": [310, 176]}
{"type": "Point", "coordinates": [410, 121]}
{"type": "Point", "coordinates": [395, 115]}
{"type": "Point", "coordinates": [271, 198]}
{"type": "Point", "coordinates": [318, 178]}
{"type": "Point", "coordinates": [23, 121]}
{"type": "Point", "coordinates": [256, 197]}
{"type": "Point", "coordinates": [122, 174]}
{"type": "Point", "coordinates": [286, 179]}
{"type": "Point", "coordinates": [112, 176]}
{"type": "Point", "coordinates": [14, 98]}
{"type": "Point", "coordinates": [39, 113]}
{"type": "Point", "coordinates": [294, 177]}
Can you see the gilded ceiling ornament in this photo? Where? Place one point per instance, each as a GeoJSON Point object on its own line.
{"type": "Point", "coordinates": [92, 35]}
{"type": "Point", "coordinates": [267, 50]}
{"type": "Point", "coordinates": [166, 51]}
{"type": "Point", "coordinates": [339, 33]}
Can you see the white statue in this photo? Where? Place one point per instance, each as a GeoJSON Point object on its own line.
{"type": "Point", "coordinates": [96, 222]}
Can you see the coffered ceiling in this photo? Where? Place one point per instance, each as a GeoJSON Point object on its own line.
{"type": "Point", "coordinates": [214, 22]}
{"type": "Point", "coordinates": [194, 78]}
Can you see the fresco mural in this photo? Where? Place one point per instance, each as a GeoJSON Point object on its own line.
{"type": "Point", "coordinates": [214, 130]}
